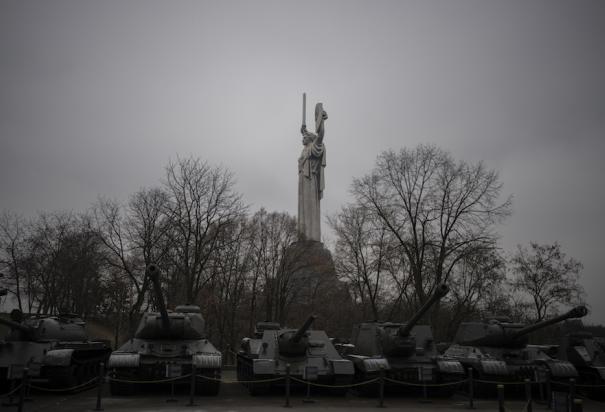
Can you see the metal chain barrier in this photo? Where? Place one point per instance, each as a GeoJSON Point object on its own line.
{"type": "Point", "coordinates": [109, 378]}
{"type": "Point", "coordinates": [427, 384]}
{"type": "Point", "coordinates": [73, 388]}
{"type": "Point", "coordinates": [12, 391]}
{"type": "Point", "coordinates": [320, 385]}
{"type": "Point", "coordinates": [225, 381]}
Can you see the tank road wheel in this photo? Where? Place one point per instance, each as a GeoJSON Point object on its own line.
{"type": "Point", "coordinates": [208, 387]}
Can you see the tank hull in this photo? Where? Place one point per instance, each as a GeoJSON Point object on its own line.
{"type": "Point", "coordinates": [56, 365]}
{"type": "Point", "coordinates": [261, 368]}
{"type": "Point", "coordinates": [139, 364]}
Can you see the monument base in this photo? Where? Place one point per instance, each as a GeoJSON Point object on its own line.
{"type": "Point", "coordinates": [315, 289]}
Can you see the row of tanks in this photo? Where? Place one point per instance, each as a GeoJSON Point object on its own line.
{"type": "Point", "coordinates": [174, 344]}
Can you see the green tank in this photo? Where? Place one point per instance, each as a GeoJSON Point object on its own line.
{"type": "Point", "coordinates": [404, 352]}
{"type": "Point", "coordinates": [310, 354]}
{"type": "Point", "coordinates": [55, 349]}
{"type": "Point", "coordinates": [166, 344]}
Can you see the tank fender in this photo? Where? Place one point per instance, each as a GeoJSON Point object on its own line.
{"type": "Point", "coordinates": [208, 360]}
{"type": "Point", "coordinates": [450, 366]}
{"type": "Point", "coordinates": [58, 357]}
{"type": "Point", "coordinates": [342, 367]}
{"type": "Point", "coordinates": [494, 367]}
{"type": "Point", "coordinates": [263, 366]}
{"type": "Point", "coordinates": [123, 360]}
{"type": "Point", "coordinates": [562, 369]}
{"type": "Point", "coordinates": [601, 371]}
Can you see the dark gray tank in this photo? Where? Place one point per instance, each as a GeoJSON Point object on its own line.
{"type": "Point", "coordinates": [55, 349]}
{"type": "Point", "coordinates": [167, 344]}
{"type": "Point", "coordinates": [405, 351]}
{"type": "Point", "coordinates": [310, 353]}
{"type": "Point", "coordinates": [497, 349]}
{"type": "Point", "coordinates": [587, 355]}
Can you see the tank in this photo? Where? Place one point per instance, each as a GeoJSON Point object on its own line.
{"type": "Point", "coordinates": [497, 349]}
{"type": "Point", "coordinates": [587, 355]}
{"type": "Point", "coordinates": [55, 349]}
{"type": "Point", "coordinates": [405, 351]}
{"type": "Point", "coordinates": [310, 354]}
{"type": "Point", "coordinates": [166, 344]}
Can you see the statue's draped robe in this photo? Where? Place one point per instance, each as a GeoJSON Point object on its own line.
{"type": "Point", "coordinates": [311, 165]}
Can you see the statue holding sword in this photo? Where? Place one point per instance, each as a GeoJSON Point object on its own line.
{"type": "Point", "coordinates": [311, 182]}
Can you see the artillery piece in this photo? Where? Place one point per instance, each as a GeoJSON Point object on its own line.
{"type": "Point", "coordinates": [55, 349]}
{"type": "Point", "coordinates": [166, 344]}
{"type": "Point", "coordinates": [496, 349]}
{"type": "Point", "coordinates": [404, 351]}
{"type": "Point", "coordinates": [309, 354]}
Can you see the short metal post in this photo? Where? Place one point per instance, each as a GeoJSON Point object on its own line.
{"type": "Point", "coordinates": [471, 389]}
{"type": "Point", "coordinates": [540, 381]}
{"type": "Point", "coordinates": [381, 387]}
{"type": "Point", "coordinates": [549, 395]}
{"type": "Point", "coordinates": [287, 405]}
{"type": "Point", "coordinates": [192, 387]}
{"type": "Point", "coordinates": [572, 393]}
{"type": "Point", "coordinates": [23, 391]}
{"type": "Point", "coordinates": [577, 405]}
{"type": "Point", "coordinates": [425, 398]}
{"type": "Point", "coordinates": [100, 381]}
{"type": "Point", "coordinates": [528, 407]}
{"type": "Point", "coordinates": [501, 398]}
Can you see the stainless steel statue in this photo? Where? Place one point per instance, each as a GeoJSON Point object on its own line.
{"type": "Point", "coordinates": [311, 182]}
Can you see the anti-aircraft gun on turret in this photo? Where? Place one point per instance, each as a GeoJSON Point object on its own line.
{"type": "Point", "coordinates": [404, 351]}
{"type": "Point", "coordinates": [55, 349]}
{"type": "Point", "coordinates": [166, 344]}
{"type": "Point", "coordinates": [496, 349]}
{"type": "Point", "coordinates": [309, 353]}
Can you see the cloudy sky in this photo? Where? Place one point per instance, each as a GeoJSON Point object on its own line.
{"type": "Point", "coordinates": [97, 96]}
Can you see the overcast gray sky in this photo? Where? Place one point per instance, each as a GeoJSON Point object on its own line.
{"type": "Point", "coordinates": [97, 96]}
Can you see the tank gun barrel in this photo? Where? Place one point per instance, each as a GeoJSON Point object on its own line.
{"type": "Point", "coordinates": [154, 274]}
{"type": "Point", "coordinates": [577, 312]}
{"type": "Point", "coordinates": [303, 329]}
{"type": "Point", "coordinates": [440, 291]}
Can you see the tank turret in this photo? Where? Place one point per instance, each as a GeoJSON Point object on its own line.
{"type": "Point", "coordinates": [394, 339]}
{"type": "Point", "coordinates": [293, 343]}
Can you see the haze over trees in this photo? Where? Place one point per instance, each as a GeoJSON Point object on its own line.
{"type": "Point", "coordinates": [417, 219]}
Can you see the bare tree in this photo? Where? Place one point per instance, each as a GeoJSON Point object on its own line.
{"type": "Point", "coordinates": [13, 233]}
{"type": "Point", "coordinates": [202, 202]}
{"type": "Point", "coordinates": [363, 255]}
{"type": "Point", "coordinates": [549, 278]}
{"type": "Point", "coordinates": [272, 233]}
{"type": "Point", "coordinates": [439, 210]}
